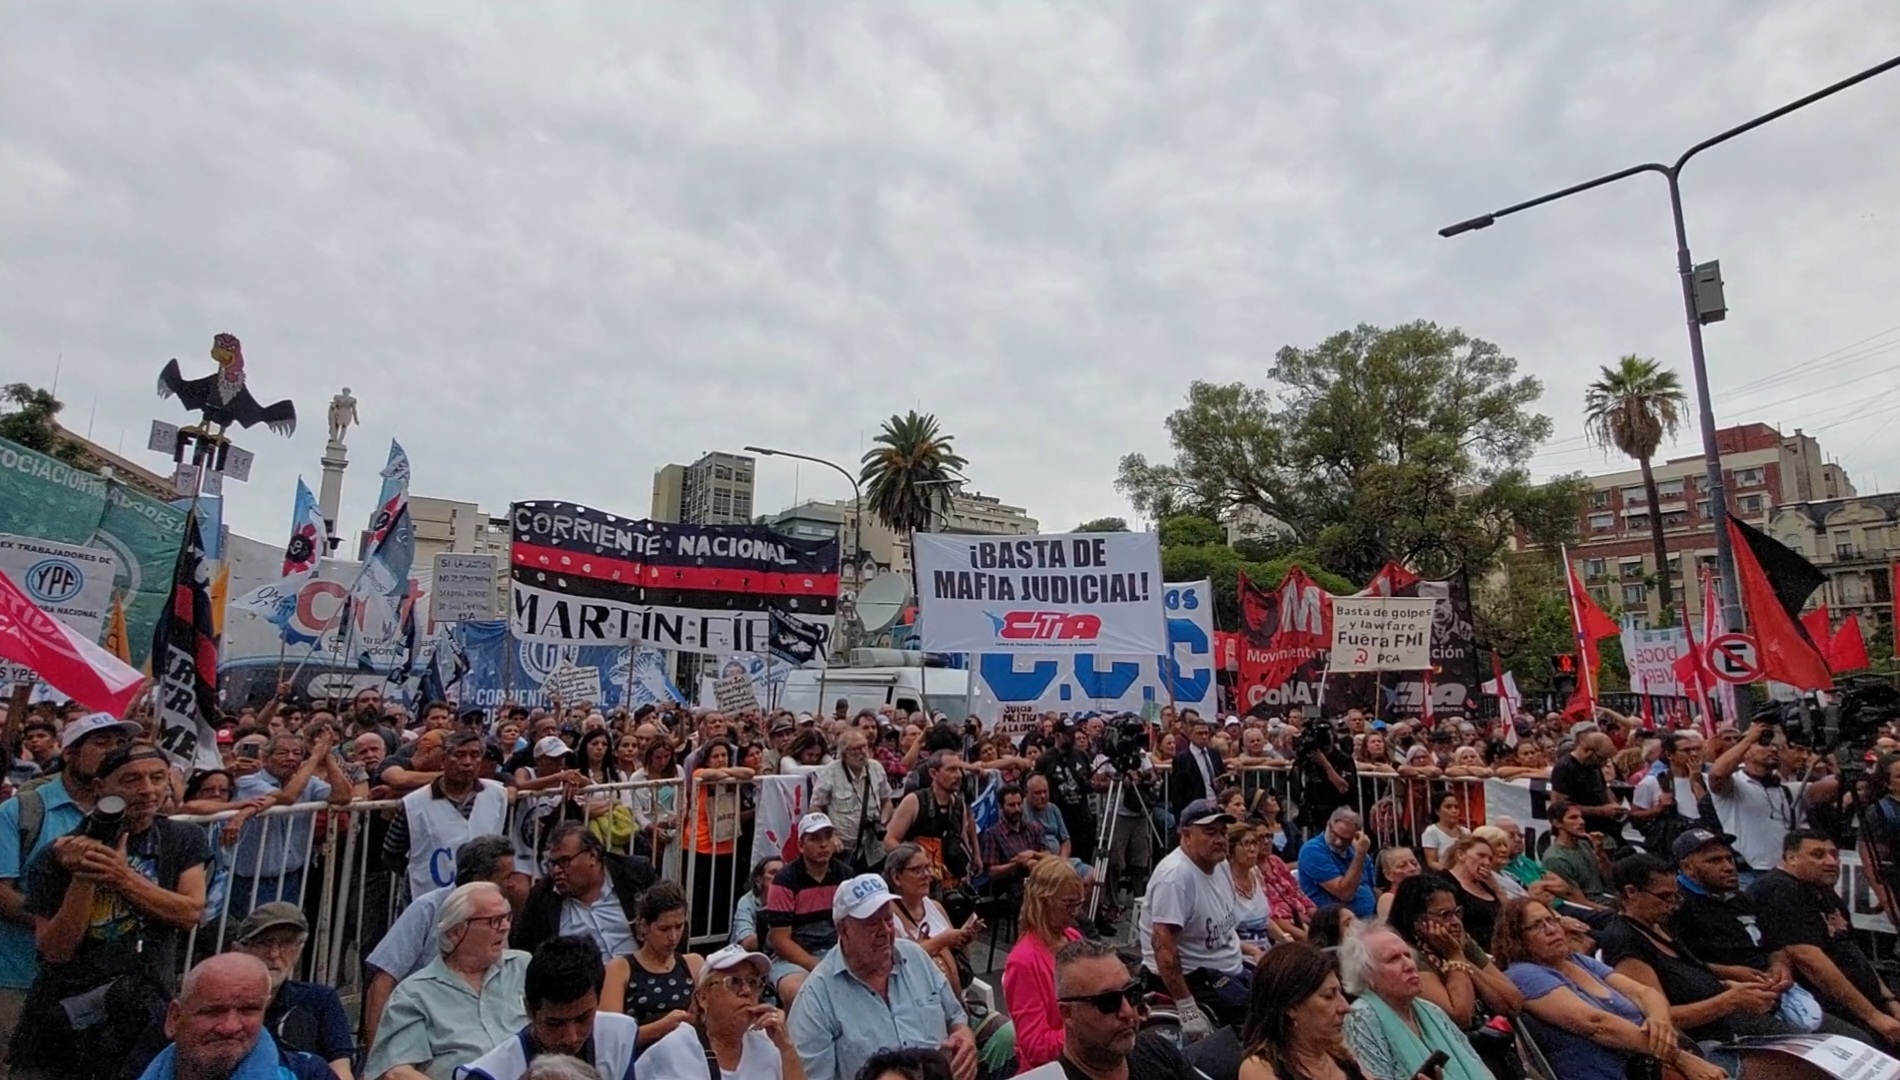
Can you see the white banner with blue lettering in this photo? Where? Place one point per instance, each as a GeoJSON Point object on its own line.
{"type": "Point", "coordinates": [1090, 681]}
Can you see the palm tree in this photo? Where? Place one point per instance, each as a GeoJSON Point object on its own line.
{"type": "Point", "coordinates": [904, 472]}
{"type": "Point", "coordinates": [1634, 407]}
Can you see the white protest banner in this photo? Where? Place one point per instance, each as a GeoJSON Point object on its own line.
{"type": "Point", "coordinates": [464, 588]}
{"type": "Point", "coordinates": [1382, 633]}
{"type": "Point", "coordinates": [734, 690]}
{"type": "Point", "coordinates": [1651, 656]}
{"type": "Point", "coordinates": [72, 584]}
{"type": "Point", "coordinates": [1081, 592]}
{"type": "Point", "coordinates": [574, 683]}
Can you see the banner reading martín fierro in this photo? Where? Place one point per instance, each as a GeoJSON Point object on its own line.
{"type": "Point", "coordinates": [582, 575]}
{"type": "Point", "coordinates": [1069, 592]}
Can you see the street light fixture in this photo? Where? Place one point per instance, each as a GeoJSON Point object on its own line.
{"type": "Point", "coordinates": [857, 508]}
{"type": "Point", "coordinates": [1701, 301]}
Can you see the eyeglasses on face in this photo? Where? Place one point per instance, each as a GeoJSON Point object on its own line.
{"type": "Point", "coordinates": [1108, 1002]}
{"type": "Point", "coordinates": [1449, 913]}
{"type": "Point", "coordinates": [562, 862]}
{"type": "Point", "coordinates": [497, 923]}
{"type": "Point", "coordinates": [743, 985]}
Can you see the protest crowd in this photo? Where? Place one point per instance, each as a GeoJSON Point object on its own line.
{"type": "Point", "coordinates": [367, 891]}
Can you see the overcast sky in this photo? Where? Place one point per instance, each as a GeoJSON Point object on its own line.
{"type": "Point", "coordinates": [552, 247]}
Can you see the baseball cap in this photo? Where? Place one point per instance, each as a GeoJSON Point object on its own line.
{"type": "Point", "coordinates": [1378, 725]}
{"type": "Point", "coordinates": [1233, 721]}
{"type": "Point", "coordinates": [1205, 812]}
{"type": "Point", "coordinates": [1067, 723]}
{"type": "Point", "coordinates": [812, 823]}
{"type": "Point", "coordinates": [225, 737]}
{"type": "Point", "coordinates": [551, 746]}
{"type": "Point", "coordinates": [269, 917]}
{"type": "Point", "coordinates": [783, 723]}
{"type": "Point", "coordinates": [1695, 840]}
{"type": "Point", "coordinates": [806, 718]}
{"type": "Point", "coordinates": [730, 957]}
{"type": "Point", "coordinates": [861, 897]}
{"type": "Point", "coordinates": [96, 722]}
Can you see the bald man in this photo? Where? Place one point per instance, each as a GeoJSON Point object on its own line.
{"type": "Point", "coordinates": [1579, 778]}
{"type": "Point", "coordinates": [216, 1025]}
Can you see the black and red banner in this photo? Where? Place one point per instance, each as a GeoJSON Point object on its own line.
{"type": "Point", "coordinates": [185, 659]}
{"type": "Point", "coordinates": [583, 575]}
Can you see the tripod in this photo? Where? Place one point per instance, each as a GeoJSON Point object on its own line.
{"type": "Point", "coordinates": [1119, 789]}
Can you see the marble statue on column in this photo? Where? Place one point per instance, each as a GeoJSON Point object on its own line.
{"type": "Point", "coordinates": [342, 415]}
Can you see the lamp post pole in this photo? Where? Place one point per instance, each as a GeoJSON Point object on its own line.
{"type": "Point", "coordinates": [1685, 269]}
{"type": "Point", "coordinates": [857, 508]}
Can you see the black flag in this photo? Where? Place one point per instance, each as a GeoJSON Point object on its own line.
{"type": "Point", "coordinates": [185, 660]}
{"type": "Point", "coordinates": [797, 643]}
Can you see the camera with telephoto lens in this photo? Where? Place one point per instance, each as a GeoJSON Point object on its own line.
{"type": "Point", "coordinates": [1321, 735]}
{"type": "Point", "coordinates": [1124, 743]}
{"type": "Point", "coordinates": [106, 821]}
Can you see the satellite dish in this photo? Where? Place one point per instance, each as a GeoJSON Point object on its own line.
{"type": "Point", "coordinates": [882, 600]}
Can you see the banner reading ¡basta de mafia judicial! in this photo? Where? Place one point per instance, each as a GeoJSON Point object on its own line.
{"type": "Point", "coordinates": [1066, 592]}
{"type": "Point", "coordinates": [585, 576]}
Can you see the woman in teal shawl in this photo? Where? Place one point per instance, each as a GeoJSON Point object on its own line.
{"type": "Point", "coordinates": [1390, 1028]}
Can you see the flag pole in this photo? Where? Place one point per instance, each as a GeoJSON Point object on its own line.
{"type": "Point", "coordinates": [1576, 627]}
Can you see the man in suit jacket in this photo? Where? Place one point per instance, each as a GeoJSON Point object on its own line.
{"type": "Point", "coordinates": [586, 877]}
{"type": "Point", "coordinates": [1198, 768]}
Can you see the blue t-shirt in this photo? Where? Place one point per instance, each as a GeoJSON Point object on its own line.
{"type": "Point", "coordinates": [1574, 1057]}
{"type": "Point", "coordinates": [308, 1017]}
{"type": "Point", "coordinates": [1319, 863]}
{"type": "Point", "coordinates": [19, 956]}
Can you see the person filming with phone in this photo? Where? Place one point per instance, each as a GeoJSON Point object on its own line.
{"type": "Point", "coordinates": [111, 905]}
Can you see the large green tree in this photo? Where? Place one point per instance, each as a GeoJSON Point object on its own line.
{"type": "Point", "coordinates": [30, 419]}
{"type": "Point", "coordinates": [1633, 407]}
{"type": "Point", "coordinates": [907, 472]}
{"type": "Point", "coordinates": [1103, 525]}
{"type": "Point", "coordinates": [1192, 548]}
{"type": "Point", "coordinates": [1406, 444]}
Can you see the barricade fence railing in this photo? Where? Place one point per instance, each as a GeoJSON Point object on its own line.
{"type": "Point", "coordinates": [329, 859]}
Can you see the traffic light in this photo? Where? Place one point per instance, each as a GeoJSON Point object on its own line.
{"type": "Point", "coordinates": [1564, 678]}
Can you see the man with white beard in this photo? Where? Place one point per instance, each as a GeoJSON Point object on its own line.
{"type": "Point", "coordinates": [301, 1016]}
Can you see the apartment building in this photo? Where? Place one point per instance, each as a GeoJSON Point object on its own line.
{"type": "Point", "coordinates": [715, 490]}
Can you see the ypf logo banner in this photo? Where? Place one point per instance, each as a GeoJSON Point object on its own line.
{"type": "Point", "coordinates": [51, 582]}
{"type": "Point", "coordinates": [72, 584]}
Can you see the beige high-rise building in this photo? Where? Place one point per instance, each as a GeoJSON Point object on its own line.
{"type": "Point", "coordinates": [715, 490]}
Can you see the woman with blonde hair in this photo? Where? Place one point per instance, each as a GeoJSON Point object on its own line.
{"type": "Point", "coordinates": [1051, 896]}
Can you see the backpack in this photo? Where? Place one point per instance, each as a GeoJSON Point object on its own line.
{"type": "Point", "coordinates": [32, 814]}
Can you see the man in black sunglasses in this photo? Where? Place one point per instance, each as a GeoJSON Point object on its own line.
{"type": "Point", "coordinates": [1101, 1020]}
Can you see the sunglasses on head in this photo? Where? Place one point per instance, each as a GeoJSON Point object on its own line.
{"type": "Point", "coordinates": [1109, 1002]}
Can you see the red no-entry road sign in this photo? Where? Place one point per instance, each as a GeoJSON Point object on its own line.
{"type": "Point", "coordinates": [1733, 658]}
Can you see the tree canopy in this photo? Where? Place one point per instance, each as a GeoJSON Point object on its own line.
{"type": "Point", "coordinates": [1192, 548]}
{"type": "Point", "coordinates": [907, 474]}
{"type": "Point", "coordinates": [1103, 525]}
{"type": "Point", "coordinates": [30, 419]}
{"type": "Point", "coordinates": [1406, 444]}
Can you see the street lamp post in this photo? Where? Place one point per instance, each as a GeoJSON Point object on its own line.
{"type": "Point", "coordinates": [1686, 269]}
{"type": "Point", "coordinates": [857, 509]}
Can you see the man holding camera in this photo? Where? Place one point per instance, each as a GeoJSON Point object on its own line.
{"type": "Point", "coordinates": [1755, 804]}
{"type": "Point", "coordinates": [111, 905]}
{"type": "Point", "coordinates": [1071, 779]}
{"type": "Point", "coordinates": [1326, 770]}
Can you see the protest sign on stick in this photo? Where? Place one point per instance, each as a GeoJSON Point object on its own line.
{"type": "Point", "coordinates": [1382, 633]}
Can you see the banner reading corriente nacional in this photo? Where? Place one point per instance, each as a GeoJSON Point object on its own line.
{"type": "Point", "coordinates": [1080, 592]}
{"type": "Point", "coordinates": [48, 499]}
{"type": "Point", "coordinates": [586, 576]}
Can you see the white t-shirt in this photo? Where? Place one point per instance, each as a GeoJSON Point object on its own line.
{"type": "Point", "coordinates": [1255, 912]}
{"type": "Point", "coordinates": [681, 1054]}
{"type": "Point", "coordinates": [1648, 793]}
{"type": "Point", "coordinates": [1437, 839]}
{"type": "Point", "coordinates": [1757, 816]}
{"type": "Point", "coordinates": [1203, 906]}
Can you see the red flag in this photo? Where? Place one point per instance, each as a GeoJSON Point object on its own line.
{"type": "Point", "coordinates": [1848, 650]}
{"type": "Point", "coordinates": [1893, 590]}
{"type": "Point", "coordinates": [62, 656]}
{"type": "Point", "coordinates": [1590, 625]}
{"type": "Point", "coordinates": [1775, 584]}
{"type": "Point", "coordinates": [1284, 634]}
{"type": "Point", "coordinates": [1819, 626]}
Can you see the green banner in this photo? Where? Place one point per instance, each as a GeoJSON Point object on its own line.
{"type": "Point", "coordinates": [49, 499]}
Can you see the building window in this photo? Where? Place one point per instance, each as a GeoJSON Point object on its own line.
{"type": "Point", "coordinates": [1675, 519]}
{"type": "Point", "coordinates": [1631, 571]}
{"type": "Point", "coordinates": [1844, 545]}
{"type": "Point", "coordinates": [1669, 489]}
{"type": "Point", "coordinates": [722, 472]}
{"type": "Point", "coordinates": [1634, 595]}
{"type": "Point", "coordinates": [1599, 500]}
{"type": "Point", "coordinates": [1640, 620]}
{"type": "Point", "coordinates": [1749, 477]}
{"type": "Point", "coordinates": [1635, 496]}
{"type": "Point", "coordinates": [1702, 508]}
{"type": "Point", "coordinates": [1595, 568]}
{"type": "Point", "coordinates": [1749, 504]}
{"type": "Point", "coordinates": [1601, 596]}
{"type": "Point", "coordinates": [1637, 521]}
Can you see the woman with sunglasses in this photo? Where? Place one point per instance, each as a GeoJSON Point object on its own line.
{"type": "Point", "coordinates": [731, 1033]}
{"type": "Point", "coordinates": [1052, 895]}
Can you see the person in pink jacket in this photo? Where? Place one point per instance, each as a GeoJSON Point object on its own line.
{"type": "Point", "coordinates": [1051, 897]}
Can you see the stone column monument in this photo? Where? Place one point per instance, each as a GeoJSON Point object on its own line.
{"type": "Point", "coordinates": [335, 459]}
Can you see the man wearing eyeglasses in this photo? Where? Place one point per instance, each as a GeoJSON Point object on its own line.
{"type": "Point", "coordinates": [301, 1016]}
{"type": "Point", "coordinates": [588, 892]}
{"type": "Point", "coordinates": [1101, 1020]}
{"type": "Point", "coordinates": [562, 993]}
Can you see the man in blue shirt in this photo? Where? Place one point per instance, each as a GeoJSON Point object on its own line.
{"type": "Point", "coordinates": [1333, 865]}
{"type": "Point", "coordinates": [273, 851]}
{"type": "Point", "coordinates": [302, 1016]}
{"type": "Point", "coordinates": [222, 992]}
{"type": "Point", "coordinates": [33, 820]}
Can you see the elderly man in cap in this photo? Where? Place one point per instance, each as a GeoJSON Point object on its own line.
{"type": "Point", "coordinates": [1190, 916]}
{"type": "Point", "coordinates": [730, 1025]}
{"type": "Point", "coordinates": [301, 1016]}
{"type": "Point", "coordinates": [797, 920]}
{"type": "Point", "coordinates": [875, 991]}
{"type": "Point", "coordinates": [29, 823]}
{"type": "Point", "coordinates": [217, 1028]}
{"type": "Point", "coordinates": [562, 993]}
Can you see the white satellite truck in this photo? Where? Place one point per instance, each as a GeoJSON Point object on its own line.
{"type": "Point", "coordinates": [894, 677]}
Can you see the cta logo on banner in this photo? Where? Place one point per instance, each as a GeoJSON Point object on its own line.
{"type": "Point", "coordinates": [1081, 592]}
{"type": "Point", "coordinates": [1184, 674]}
{"type": "Point", "coordinates": [1382, 633]}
